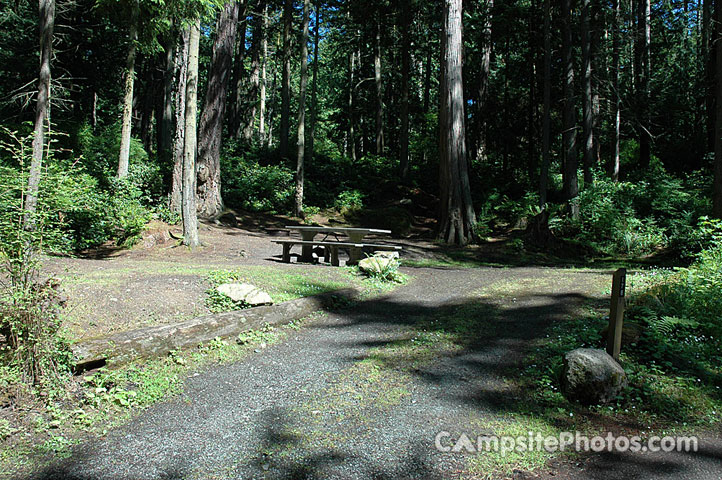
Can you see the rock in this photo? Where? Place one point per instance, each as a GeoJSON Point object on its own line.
{"type": "Point", "coordinates": [631, 332]}
{"type": "Point", "coordinates": [376, 264]}
{"type": "Point", "coordinates": [591, 376]}
{"type": "Point", "coordinates": [244, 292]}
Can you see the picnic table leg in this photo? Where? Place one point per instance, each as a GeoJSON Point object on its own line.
{"type": "Point", "coordinates": [287, 252]}
{"type": "Point", "coordinates": [307, 250]}
{"type": "Point", "coordinates": [334, 255]}
{"type": "Point", "coordinates": [326, 254]}
{"type": "Point", "coordinates": [354, 255]}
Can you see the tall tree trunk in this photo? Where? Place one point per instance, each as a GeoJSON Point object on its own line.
{"type": "Point", "coordinates": [569, 121]}
{"type": "Point", "coordinates": [252, 96]}
{"type": "Point", "coordinates": [210, 203]}
{"type": "Point", "coordinates": [286, 80]}
{"type": "Point", "coordinates": [379, 89]}
{"type": "Point", "coordinates": [427, 78]}
{"type": "Point", "coordinates": [709, 59]}
{"type": "Point", "coordinates": [717, 199]}
{"type": "Point", "coordinates": [644, 75]}
{"type": "Point", "coordinates": [532, 111]}
{"type": "Point", "coordinates": [46, 12]}
{"type": "Point", "coordinates": [298, 204]}
{"type": "Point", "coordinates": [264, 61]}
{"type": "Point", "coordinates": [181, 73]}
{"type": "Point", "coordinates": [314, 85]}
{"type": "Point", "coordinates": [546, 116]}
{"type": "Point", "coordinates": [147, 95]}
{"type": "Point", "coordinates": [485, 69]}
{"type": "Point", "coordinates": [239, 77]}
{"type": "Point", "coordinates": [165, 114]}
{"type": "Point", "coordinates": [126, 122]}
{"type": "Point", "coordinates": [351, 114]}
{"type": "Point", "coordinates": [587, 99]}
{"type": "Point", "coordinates": [457, 216]}
{"type": "Point", "coordinates": [189, 210]}
{"type": "Point", "coordinates": [406, 20]}
{"type": "Point", "coordinates": [617, 98]}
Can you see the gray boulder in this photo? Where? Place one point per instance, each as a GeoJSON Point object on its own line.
{"type": "Point", "coordinates": [244, 292]}
{"type": "Point", "coordinates": [592, 377]}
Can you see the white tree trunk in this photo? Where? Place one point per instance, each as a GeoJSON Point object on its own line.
{"type": "Point", "coordinates": [189, 212]}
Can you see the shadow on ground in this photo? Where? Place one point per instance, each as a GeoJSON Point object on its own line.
{"type": "Point", "coordinates": [481, 374]}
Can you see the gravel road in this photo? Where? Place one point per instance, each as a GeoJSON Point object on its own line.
{"type": "Point", "coordinates": [296, 409]}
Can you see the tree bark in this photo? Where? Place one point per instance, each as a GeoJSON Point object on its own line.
{"type": "Point", "coordinates": [181, 64]}
{"type": "Point", "coordinates": [717, 198]}
{"type": "Point", "coordinates": [126, 122]}
{"type": "Point", "coordinates": [210, 203]}
{"type": "Point", "coordinates": [46, 12]}
{"type": "Point", "coordinates": [252, 96]}
{"type": "Point", "coordinates": [587, 99]}
{"type": "Point", "coordinates": [457, 216]}
{"type": "Point", "coordinates": [314, 85]}
{"type": "Point", "coordinates": [644, 75]}
{"type": "Point", "coordinates": [264, 61]}
{"type": "Point", "coordinates": [286, 80]}
{"type": "Point", "coordinates": [709, 58]}
{"type": "Point", "coordinates": [379, 89]}
{"type": "Point", "coordinates": [427, 79]}
{"type": "Point", "coordinates": [189, 210]}
{"type": "Point", "coordinates": [351, 92]}
{"type": "Point", "coordinates": [298, 204]}
{"type": "Point", "coordinates": [485, 69]}
{"type": "Point", "coordinates": [546, 115]}
{"type": "Point", "coordinates": [165, 116]}
{"type": "Point", "coordinates": [238, 78]}
{"type": "Point", "coordinates": [569, 121]}
{"type": "Point", "coordinates": [406, 20]}
{"type": "Point", "coordinates": [615, 88]}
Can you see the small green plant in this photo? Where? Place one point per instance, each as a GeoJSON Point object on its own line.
{"type": "Point", "coordinates": [165, 214]}
{"type": "Point", "coordinates": [309, 211]}
{"type": "Point", "coordinates": [348, 201]}
{"type": "Point", "coordinates": [383, 268]}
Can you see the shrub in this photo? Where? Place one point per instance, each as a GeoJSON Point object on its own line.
{"type": "Point", "coordinates": [349, 200]}
{"type": "Point", "coordinates": [30, 309]}
{"type": "Point", "coordinates": [30, 320]}
{"type": "Point", "coordinates": [257, 188]}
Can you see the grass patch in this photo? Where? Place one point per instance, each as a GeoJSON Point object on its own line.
{"type": "Point", "coordinates": [284, 285]}
{"type": "Point", "coordinates": [494, 463]}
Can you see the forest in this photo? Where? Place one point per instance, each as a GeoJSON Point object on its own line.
{"type": "Point", "coordinates": [302, 107]}
{"type": "Point", "coordinates": [572, 132]}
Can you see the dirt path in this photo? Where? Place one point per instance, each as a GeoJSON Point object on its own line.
{"type": "Point", "coordinates": [315, 407]}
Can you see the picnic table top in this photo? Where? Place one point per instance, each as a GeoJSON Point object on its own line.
{"type": "Point", "coordinates": [337, 229]}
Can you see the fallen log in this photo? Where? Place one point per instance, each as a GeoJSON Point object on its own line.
{"type": "Point", "coordinates": [124, 347]}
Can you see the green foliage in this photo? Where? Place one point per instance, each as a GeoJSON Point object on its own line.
{"type": "Point", "coordinates": [349, 200]}
{"type": "Point", "coordinates": [257, 188]}
{"type": "Point", "coordinates": [638, 217]}
{"type": "Point", "coordinates": [128, 213]}
{"type": "Point", "coordinates": [29, 309]}
{"type": "Point", "coordinates": [165, 214]}
{"type": "Point", "coordinates": [30, 320]}
{"type": "Point", "coordinates": [385, 271]}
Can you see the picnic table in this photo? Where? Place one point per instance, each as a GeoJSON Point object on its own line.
{"type": "Point", "coordinates": [355, 243]}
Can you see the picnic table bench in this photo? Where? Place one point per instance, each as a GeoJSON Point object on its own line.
{"type": "Point", "coordinates": [354, 244]}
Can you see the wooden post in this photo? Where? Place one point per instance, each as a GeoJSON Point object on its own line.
{"type": "Point", "coordinates": [616, 313]}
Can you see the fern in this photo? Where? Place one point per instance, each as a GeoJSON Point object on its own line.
{"type": "Point", "coordinates": [667, 326]}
